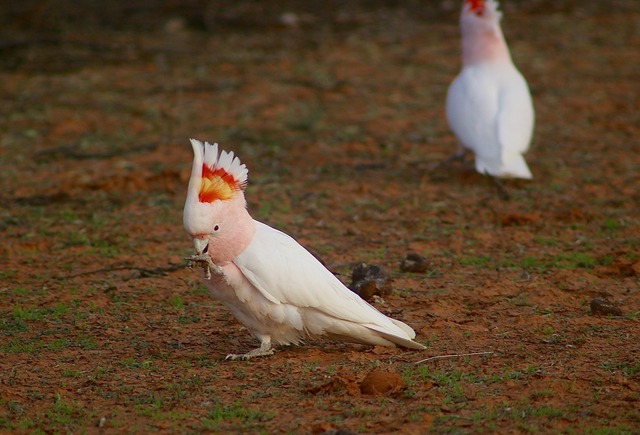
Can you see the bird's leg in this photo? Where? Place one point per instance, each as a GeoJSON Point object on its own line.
{"type": "Point", "coordinates": [458, 155]}
{"type": "Point", "coordinates": [263, 350]}
{"type": "Point", "coordinates": [502, 191]}
{"type": "Point", "coordinates": [204, 261]}
{"type": "Point", "coordinates": [446, 163]}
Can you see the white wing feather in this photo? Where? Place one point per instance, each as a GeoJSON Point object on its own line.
{"type": "Point", "coordinates": [286, 273]}
{"type": "Point", "coordinates": [515, 117]}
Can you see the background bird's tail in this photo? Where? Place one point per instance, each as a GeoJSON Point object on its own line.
{"type": "Point", "coordinates": [512, 166]}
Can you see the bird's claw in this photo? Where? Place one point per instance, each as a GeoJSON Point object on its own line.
{"type": "Point", "coordinates": [264, 350]}
{"type": "Point", "coordinates": [204, 261]}
{"type": "Point", "coordinates": [247, 356]}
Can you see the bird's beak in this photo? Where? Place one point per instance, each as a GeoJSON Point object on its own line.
{"type": "Point", "coordinates": [200, 245]}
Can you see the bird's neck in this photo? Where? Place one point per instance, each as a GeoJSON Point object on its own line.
{"type": "Point", "coordinates": [236, 236]}
{"type": "Point", "coordinates": [486, 45]}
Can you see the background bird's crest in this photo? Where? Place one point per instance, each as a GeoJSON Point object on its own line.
{"type": "Point", "coordinates": [482, 7]}
{"type": "Point", "coordinates": [222, 174]}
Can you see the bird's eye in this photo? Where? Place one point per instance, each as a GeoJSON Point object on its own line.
{"type": "Point", "coordinates": [216, 228]}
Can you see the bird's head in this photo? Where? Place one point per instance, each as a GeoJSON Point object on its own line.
{"type": "Point", "coordinates": [215, 208]}
{"type": "Point", "coordinates": [481, 11]}
{"type": "Point", "coordinates": [482, 38]}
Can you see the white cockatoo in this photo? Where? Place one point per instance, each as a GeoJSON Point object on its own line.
{"type": "Point", "coordinates": [489, 105]}
{"type": "Point", "coordinates": [271, 284]}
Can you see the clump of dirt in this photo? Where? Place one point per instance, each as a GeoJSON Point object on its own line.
{"type": "Point", "coordinates": [414, 263]}
{"type": "Point", "coordinates": [601, 307]}
{"type": "Point", "coordinates": [369, 280]}
{"type": "Point", "coordinates": [379, 383]}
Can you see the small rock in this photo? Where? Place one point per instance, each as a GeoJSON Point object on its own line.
{"type": "Point", "coordinates": [368, 280]}
{"type": "Point", "coordinates": [415, 263]}
{"type": "Point", "coordinates": [602, 307]}
{"type": "Point", "coordinates": [379, 383]}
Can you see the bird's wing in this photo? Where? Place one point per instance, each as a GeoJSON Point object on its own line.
{"type": "Point", "coordinates": [515, 115]}
{"type": "Point", "coordinates": [471, 107]}
{"type": "Point", "coordinates": [284, 272]}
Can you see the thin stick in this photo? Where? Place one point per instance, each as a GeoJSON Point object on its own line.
{"type": "Point", "coordinates": [144, 273]}
{"type": "Point", "coordinates": [452, 356]}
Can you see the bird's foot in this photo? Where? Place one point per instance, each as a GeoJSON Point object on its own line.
{"type": "Point", "coordinates": [263, 350]}
{"type": "Point", "coordinates": [204, 261]}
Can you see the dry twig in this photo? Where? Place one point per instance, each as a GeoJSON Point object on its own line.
{"type": "Point", "coordinates": [452, 356]}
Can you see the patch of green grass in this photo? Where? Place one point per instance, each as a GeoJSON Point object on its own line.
{"type": "Point", "coordinates": [204, 361]}
{"type": "Point", "coordinates": [565, 260]}
{"type": "Point", "coordinates": [572, 260]}
{"type": "Point", "coordinates": [151, 406]}
{"type": "Point", "coordinates": [16, 345]}
{"type": "Point", "coordinates": [369, 255]}
{"type": "Point", "coordinates": [22, 313]}
{"type": "Point", "coordinates": [18, 290]}
{"type": "Point", "coordinates": [546, 241]}
{"type": "Point", "coordinates": [235, 412]}
{"type": "Point", "coordinates": [605, 260]}
{"type": "Point", "coordinates": [611, 224]}
{"type": "Point", "coordinates": [133, 364]}
{"type": "Point", "coordinates": [70, 373]}
{"type": "Point", "coordinates": [10, 326]}
{"type": "Point", "coordinates": [627, 369]}
{"type": "Point", "coordinates": [513, 374]}
{"type": "Point", "coordinates": [449, 382]}
{"type": "Point", "coordinates": [177, 302]}
{"type": "Point", "coordinates": [608, 430]}
{"type": "Point", "coordinates": [475, 260]}
{"type": "Point", "coordinates": [530, 263]}
{"type": "Point", "coordinates": [200, 289]}
{"type": "Point", "coordinates": [88, 343]}
{"type": "Point", "coordinates": [185, 319]}
{"type": "Point", "coordinates": [63, 413]}
{"type": "Point", "coordinates": [59, 344]}
{"type": "Point", "coordinates": [26, 423]}
{"type": "Point", "coordinates": [25, 314]}
{"type": "Point", "coordinates": [519, 300]}
{"type": "Point", "coordinates": [546, 411]}
{"type": "Point", "coordinates": [541, 394]}
{"type": "Point", "coordinates": [303, 117]}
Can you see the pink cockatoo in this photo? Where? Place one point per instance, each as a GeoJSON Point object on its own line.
{"type": "Point", "coordinates": [489, 105]}
{"type": "Point", "coordinates": [271, 284]}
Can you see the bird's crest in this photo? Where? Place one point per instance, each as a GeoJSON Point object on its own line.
{"type": "Point", "coordinates": [480, 6]}
{"type": "Point", "coordinates": [222, 175]}
{"type": "Point", "coordinates": [476, 6]}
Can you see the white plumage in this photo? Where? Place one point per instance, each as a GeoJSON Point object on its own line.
{"type": "Point", "coordinates": [489, 106]}
{"type": "Point", "coordinates": [272, 285]}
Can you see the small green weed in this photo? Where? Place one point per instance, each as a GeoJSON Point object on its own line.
{"type": "Point", "coordinates": [233, 412]}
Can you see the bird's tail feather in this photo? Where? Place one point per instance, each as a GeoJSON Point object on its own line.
{"type": "Point", "coordinates": [404, 342]}
{"type": "Point", "coordinates": [512, 166]}
{"type": "Point", "coordinates": [406, 328]}
{"type": "Point", "coordinates": [318, 323]}
{"type": "Point", "coordinates": [395, 338]}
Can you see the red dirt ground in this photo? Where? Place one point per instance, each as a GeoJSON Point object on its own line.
{"type": "Point", "coordinates": [340, 120]}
